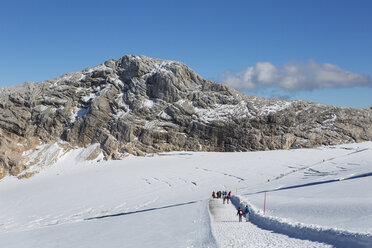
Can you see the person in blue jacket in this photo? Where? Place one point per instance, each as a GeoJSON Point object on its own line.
{"type": "Point", "coordinates": [247, 212]}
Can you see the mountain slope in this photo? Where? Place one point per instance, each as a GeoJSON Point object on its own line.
{"type": "Point", "coordinates": [137, 105]}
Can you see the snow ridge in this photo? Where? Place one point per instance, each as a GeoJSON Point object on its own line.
{"type": "Point", "coordinates": [336, 237]}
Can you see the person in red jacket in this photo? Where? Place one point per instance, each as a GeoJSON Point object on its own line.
{"type": "Point", "coordinates": [240, 213]}
{"type": "Point", "coordinates": [214, 194]}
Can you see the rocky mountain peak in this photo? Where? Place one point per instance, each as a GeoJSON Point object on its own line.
{"type": "Point", "coordinates": [137, 105]}
{"type": "Point", "coordinates": [159, 79]}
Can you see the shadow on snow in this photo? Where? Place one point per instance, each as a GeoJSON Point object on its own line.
{"type": "Point", "coordinates": [140, 211]}
{"type": "Point", "coordinates": [313, 183]}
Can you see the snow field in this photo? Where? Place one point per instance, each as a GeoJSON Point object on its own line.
{"type": "Point", "coordinates": [332, 194]}
{"type": "Point", "coordinates": [161, 200]}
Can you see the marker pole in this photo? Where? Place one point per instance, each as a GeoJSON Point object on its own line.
{"type": "Point", "coordinates": [265, 203]}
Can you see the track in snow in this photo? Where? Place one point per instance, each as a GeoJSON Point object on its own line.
{"type": "Point", "coordinates": [229, 232]}
{"type": "Point", "coordinates": [318, 163]}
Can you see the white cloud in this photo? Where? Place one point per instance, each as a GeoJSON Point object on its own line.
{"type": "Point", "coordinates": [294, 77]}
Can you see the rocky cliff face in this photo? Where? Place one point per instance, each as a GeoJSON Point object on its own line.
{"type": "Point", "coordinates": [137, 105]}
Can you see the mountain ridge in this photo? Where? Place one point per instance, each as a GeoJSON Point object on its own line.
{"type": "Point", "coordinates": [138, 105]}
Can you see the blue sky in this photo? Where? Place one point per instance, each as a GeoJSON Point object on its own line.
{"type": "Point", "coordinates": [317, 50]}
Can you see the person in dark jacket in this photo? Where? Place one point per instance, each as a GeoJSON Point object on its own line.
{"type": "Point", "coordinates": [240, 213]}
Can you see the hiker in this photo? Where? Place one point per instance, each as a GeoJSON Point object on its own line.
{"type": "Point", "coordinates": [247, 213]}
{"type": "Point", "coordinates": [224, 199]}
{"type": "Point", "coordinates": [240, 213]}
{"type": "Point", "coordinates": [228, 198]}
{"type": "Point", "coordinates": [214, 194]}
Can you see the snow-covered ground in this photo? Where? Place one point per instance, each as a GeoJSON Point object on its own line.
{"type": "Point", "coordinates": [162, 200]}
{"type": "Point", "coordinates": [231, 233]}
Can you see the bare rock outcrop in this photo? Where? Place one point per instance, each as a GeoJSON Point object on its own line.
{"type": "Point", "coordinates": [142, 105]}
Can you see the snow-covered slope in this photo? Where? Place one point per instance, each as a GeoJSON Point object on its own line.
{"type": "Point", "coordinates": [162, 200]}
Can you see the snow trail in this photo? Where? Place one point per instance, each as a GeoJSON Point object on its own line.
{"type": "Point", "coordinates": [229, 232]}
{"type": "Point", "coordinates": [332, 236]}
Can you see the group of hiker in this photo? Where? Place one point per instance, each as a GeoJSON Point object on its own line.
{"type": "Point", "coordinates": [226, 197]}
{"type": "Point", "coordinates": [222, 194]}
{"type": "Point", "coordinates": [247, 211]}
